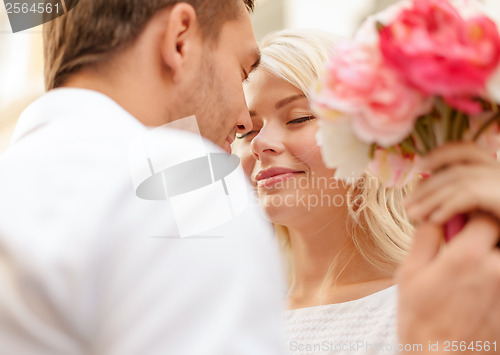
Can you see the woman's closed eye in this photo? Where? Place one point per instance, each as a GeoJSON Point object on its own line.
{"type": "Point", "coordinates": [301, 119]}
{"type": "Point", "coordinates": [292, 122]}
{"type": "Point", "coordinates": [241, 136]}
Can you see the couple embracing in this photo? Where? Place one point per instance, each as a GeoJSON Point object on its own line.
{"type": "Point", "coordinates": [78, 274]}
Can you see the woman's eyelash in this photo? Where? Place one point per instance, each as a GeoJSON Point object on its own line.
{"type": "Point", "coordinates": [302, 119]}
{"type": "Point", "coordinates": [297, 120]}
{"type": "Point", "coordinates": [241, 136]}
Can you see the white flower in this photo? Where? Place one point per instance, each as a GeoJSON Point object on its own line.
{"type": "Point", "coordinates": [393, 168]}
{"type": "Point", "coordinates": [493, 86]}
{"type": "Point", "coordinates": [341, 149]}
{"type": "Point", "coordinates": [469, 8]}
{"type": "Point", "coordinates": [368, 33]}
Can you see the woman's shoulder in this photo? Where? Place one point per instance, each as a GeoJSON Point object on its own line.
{"type": "Point", "coordinates": [381, 299]}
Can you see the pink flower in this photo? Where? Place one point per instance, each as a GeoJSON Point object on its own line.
{"type": "Point", "coordinates": [440, 53]}
{"type": "Point", "coordinates": [393, 168]}
{"type": "Point", "coordinates": [465, 104]}
{"type": "Point", "coordinates": [383, 109]}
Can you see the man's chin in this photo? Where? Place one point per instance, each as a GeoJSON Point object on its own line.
{"type": "Point", "coordinates": [227, 147]}
{"type": "Point", "coordinates": [224, 144]}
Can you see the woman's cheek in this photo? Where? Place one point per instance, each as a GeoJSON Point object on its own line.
{"type": "Point", "coordinates": [307, 148]}
{"type": "Point", "coordinates": [243, 149]}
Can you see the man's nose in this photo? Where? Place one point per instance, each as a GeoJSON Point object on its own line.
{"type": "Point", "coordinates": [244, 123]}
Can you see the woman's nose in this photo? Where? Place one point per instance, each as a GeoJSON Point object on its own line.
{"type": "Point", "coordinates": [269, 141]}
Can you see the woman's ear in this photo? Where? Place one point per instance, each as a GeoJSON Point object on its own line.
{"type": "Point", "coordinates": [181, 39]}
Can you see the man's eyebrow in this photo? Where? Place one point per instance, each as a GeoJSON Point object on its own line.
{"type": "Point", "coordinates": [288, 100]}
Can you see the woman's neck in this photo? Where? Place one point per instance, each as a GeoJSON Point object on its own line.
{"type": "Point", "coordinates": [327, 266]}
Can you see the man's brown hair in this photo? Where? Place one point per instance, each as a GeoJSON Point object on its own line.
{"type": "Point", "coordinates": [87, 34]}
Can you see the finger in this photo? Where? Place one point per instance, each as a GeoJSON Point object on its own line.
{"type": "Point", "coordinates": [458, 203]}
{"type": "Point", "coordinates": [480, 234]}
{"type": "Point", "coordinates": [455, 153]}
{"type": "Point", "coordinates": [426, 244]}
{"type": "Point", "coordinates": [431, 202]}
{"type": "Point", "coordinates": [458, 189]}
{"type": "Point", "coordinates": [451, 176]}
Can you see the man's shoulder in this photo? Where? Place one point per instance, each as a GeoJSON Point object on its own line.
{"type": "Point", "coordinates": [88, 122]}
{"type": "Point", "coordinates": [74, 114]}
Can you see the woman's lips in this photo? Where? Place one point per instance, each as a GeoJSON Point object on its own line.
{"type": "Point", "coordinates": [275, 179]}
{"type": "Point", "coordinates": [273, 176]}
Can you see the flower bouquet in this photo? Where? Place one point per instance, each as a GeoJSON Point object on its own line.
{"type": "Point", "coordinates": [415, 76]}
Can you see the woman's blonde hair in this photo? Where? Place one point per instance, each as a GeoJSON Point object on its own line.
{"type": "Point", "coordinates": [377, 220]}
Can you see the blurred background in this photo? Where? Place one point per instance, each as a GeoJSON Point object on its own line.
{"type": "Point", "coordinates": [21, 61]}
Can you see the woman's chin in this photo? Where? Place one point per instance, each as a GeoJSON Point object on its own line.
{"type": "Point", "coordinates": [280, 212]}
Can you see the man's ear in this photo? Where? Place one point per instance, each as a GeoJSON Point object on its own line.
{"type": "Point", "coordinates": [181, 38]}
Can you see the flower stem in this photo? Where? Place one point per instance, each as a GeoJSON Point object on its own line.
{"type": "Point", "coordinates": [457, 126]}
{"type": "Point", "coordinates": [424, 135]}
{"type": "Point", "coordinates": [411, 148]}
{"type": "Point", "coordinates": [445, 112]}
{"type": "Point", "coordinates": [420, 140]}
{"type": "Point", "coordinates": [484, 127]}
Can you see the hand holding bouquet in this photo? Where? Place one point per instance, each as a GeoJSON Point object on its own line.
{"type": "Point", "coordinates": [416, 76]}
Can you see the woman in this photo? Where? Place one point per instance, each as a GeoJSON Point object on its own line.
{"type": "Point", "coordinates": [343, 241]}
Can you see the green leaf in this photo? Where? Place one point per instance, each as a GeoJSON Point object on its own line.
{"type": "Point", "coordinates": [379, 26]}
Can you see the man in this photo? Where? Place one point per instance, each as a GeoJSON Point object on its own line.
{"type": "Point", "coordinates": [449, 300]}
{"type": "Point", "coordinates": [449, 297]}
{"type": "Point", "coordinates": [80, 272]}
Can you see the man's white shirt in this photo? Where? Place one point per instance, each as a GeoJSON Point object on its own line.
{"type": "Point", "coordinates": [88, 267]}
